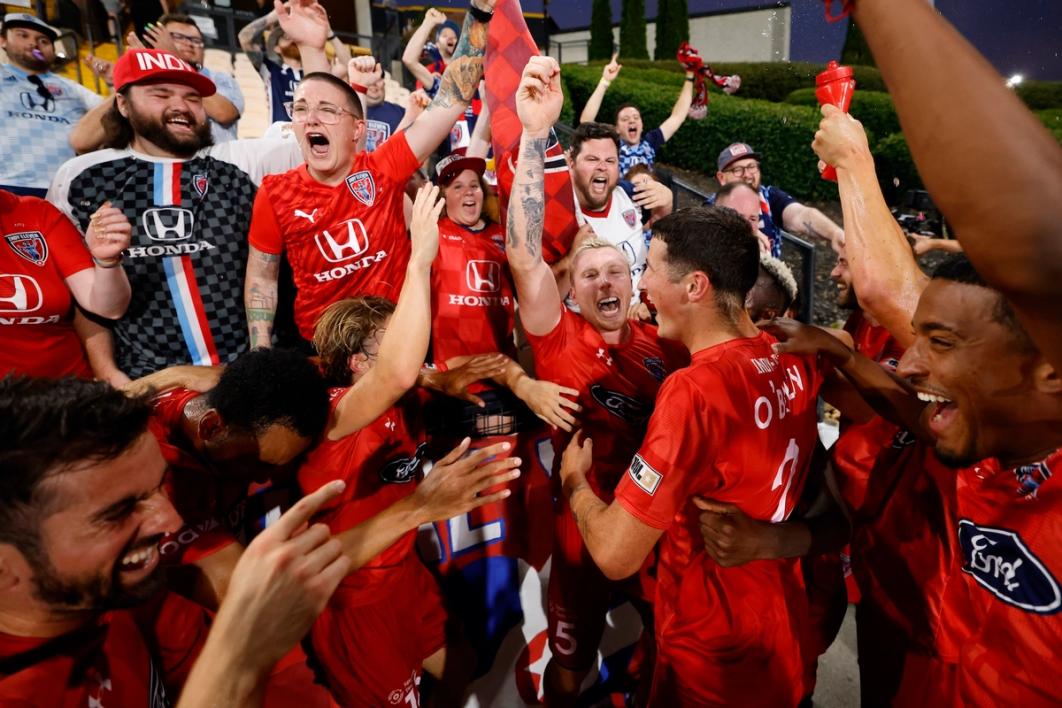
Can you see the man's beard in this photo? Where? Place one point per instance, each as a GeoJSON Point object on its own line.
{"type": "Point", "coordinates": [156, 132]}
{"type": "Point", "coordinates": [29, 61]}
{"type": "Point", "coordinates": [96, 593]}
{"type": "Point", "coordinates": [848, 301]}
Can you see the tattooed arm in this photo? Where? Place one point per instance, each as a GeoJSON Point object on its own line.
{"type": "Point", "coordinates": [538, 102]}
{"type": "Point", "coordinates": [260, 296]}
{"type": "Point", "coordinates": [459, 84]}
{"type": "Point", "coordinates": [250, 38]}
{"type": "Point", "coordinates": [803, 220]}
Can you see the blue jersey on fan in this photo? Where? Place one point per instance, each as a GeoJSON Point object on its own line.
{"type": "Point", "coordinates": [644, 153]}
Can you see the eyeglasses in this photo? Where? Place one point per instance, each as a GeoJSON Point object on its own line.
{"type": "Point", "coordinates": [327, 114]}
{"type": "Point", "coordinates": [741, 170]}
{"type": "Point", "coordinates": [194, 41]}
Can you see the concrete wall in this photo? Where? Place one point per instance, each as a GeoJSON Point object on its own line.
{"type": "Point", "coordinates": [760, 35]}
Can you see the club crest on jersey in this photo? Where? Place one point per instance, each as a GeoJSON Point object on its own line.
{"type": "Point", "coordinates": [200, 183]}
{"type": "Point", "coordinates": [403, 470]}
{"type": "Point", "coordinates": [631, 217]}
{"type": "Point", "coordinates": [629, 409]}
{"type": "Point", "coordinates": [363, 187]}
{"type": "Point", "coordinates": [29, 245]}
{"type": "Point", "coordinates": [1030, 477]}
{"type": "Point", "coordinates": [1002, 564]}
{"type": "Point", "coordinates": [644, 475]}
{"type": "Point", "coordinates": [655, 366]}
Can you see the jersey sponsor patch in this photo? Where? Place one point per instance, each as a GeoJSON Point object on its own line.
{"type": "Point", "coordinates": [30, 245]}
{"type": "Point", "coordinates": [363, 187]}
{"type": "Point", "coordinates": [201, 184]}
{"type": "Point", "coordinates": [1002, 564]}
{"type": "Point", "coordinates": [644, 475]}
{"type": "Point", "coordinates": [403, 470]}
{"type": "Point", "coordinates": [629, 409]}
{"type": "Point", "coordinates": [631, 217]}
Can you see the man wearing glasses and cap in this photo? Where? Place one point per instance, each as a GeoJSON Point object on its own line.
{"type": "Point", "coordinates": [740, 163]}
{"type": "Point", "coordinates": [38, 109]}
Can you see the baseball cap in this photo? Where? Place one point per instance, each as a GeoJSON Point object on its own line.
{"type": "Point", "coordinates": [736, 151]}
{"type": "Point", "coordinates": [23, 19]}
{"type": "Point", "coordinates": [450, 25]}
{"type": "Point", "coordinates": [154, 66]}
{"type": "Point", "coordinates": [455, 163]}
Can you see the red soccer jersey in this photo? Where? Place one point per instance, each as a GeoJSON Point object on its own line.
{"type": "Point", "coordinates": [739, 426]}
{"type": "Point", "coordinates": [108, 663]}
{"type": "Point", "coordinates": [42, 248]}
{"type": "Point", "coordinates": [1007, 573]}
{"type": "Point", "coordinates": [472, 301]}
{"type": "Point", "coordinates": [192, 489]}
{"type": "Point", "coordinates": [873, 341]}
{"type": "Point", "coordinates": [380, 464]}
{"type": "Point", "coordinates": [617, 387]}
{"type": "Point", "coordinates": [341, 241]}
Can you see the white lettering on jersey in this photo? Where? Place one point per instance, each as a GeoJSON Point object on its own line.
{"type": "Point", "coordinates": [348, 268]}
{"type": "Point", "coordinates": [353, 244]}
{"type": "Point", "coordinates": [19, 293]}
{"type": "Point", "coordinates": [480, 300]}
{"type": "Point", "coordinates": [765, 365]}
{"type": "Point", "coordinates": [784, 390]}
{"type": "Point", "coordinates": [51, 319]}
{"type": "Point", "coordinates": [170, 249]}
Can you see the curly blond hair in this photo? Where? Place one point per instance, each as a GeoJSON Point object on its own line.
{"type": "Point", "coordinates": [342, 330]}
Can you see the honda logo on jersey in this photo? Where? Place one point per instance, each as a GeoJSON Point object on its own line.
{"type": "Point", "coordinates": [483, 276]}
{"type": "Point", "coordinates": [363, 187]}
{"type": "Point", "coordinates": [19, 293]}
{"type": "Point", "coordinates": [350, 244]}
{"type": "Point", "coordinates": [168, 223]}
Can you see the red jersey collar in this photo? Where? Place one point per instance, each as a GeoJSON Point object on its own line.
{"type": "Point", "coordinates": [599, 214]}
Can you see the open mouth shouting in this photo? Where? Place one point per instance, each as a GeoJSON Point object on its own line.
{"type": "Point", "coordinates": [318, 143]}
{"type": "Point", "coordinates": [181, 123]}
{"type": "Point", "coordinates": [599, 186]}
{"type": "Point", "coordinates": [140, 561]}
{"type": "Point", "coordinates": [609, 306]}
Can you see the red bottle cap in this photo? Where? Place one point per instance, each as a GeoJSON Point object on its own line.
{"type": "Point", "coordinates": [833, 72]}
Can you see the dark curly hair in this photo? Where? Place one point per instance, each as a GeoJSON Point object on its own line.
{"type": "Point", "coordinates": [593, 131]}
{"type": "Point", "coordinates": [266, 387]}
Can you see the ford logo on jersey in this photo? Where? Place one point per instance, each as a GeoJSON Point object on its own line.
{"type": "Point", "coordinates": [403, 469]}
{"type": "Point", "coordinates": [629, 409]}
{"type": "Point", "coordinates": [1002, 564]}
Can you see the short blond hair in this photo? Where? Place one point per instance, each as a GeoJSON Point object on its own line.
{"type": "Point", "coordinates": [341, 332]}
{"type": "Point", "coordinates": [593, 243]}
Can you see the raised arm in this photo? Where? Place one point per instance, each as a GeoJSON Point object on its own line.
{"type": "Point", "coordinates": [958, 117]}
{"type": "Point", "coordinates": [87, 134]}
{"type": "Point", "coordinates": [250, 38]}
{"type": "Point", "coordinates": [342, 57]}
{"type": "Point", "coordinates": [886, 277]}
{"type": "Point", "coordinates": [415, 47]}
{"type": "Point", "coordinates": [479, 141]}
{"type": "Point", "coordinates": [306, 23]}
{"type": "Point", "coordinates": [405, 343]}
{"type": "Point", "coordinates": [681, 110]}
{"type": "Point", "coordinates": [538, 104]}
{"type": "Point", "coordinates": [459, 84]}
{"type": "Point", "coordinates": [593, 104]}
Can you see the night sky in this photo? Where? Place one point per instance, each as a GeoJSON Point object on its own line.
{"type": "Point", "coordinates": [1017, 36]}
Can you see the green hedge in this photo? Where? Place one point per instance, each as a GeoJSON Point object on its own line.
{"type": "Point", "coordinates": [896, 170]}
{"type": "Point", "coordinates": [873, 109]}
{"type": "Point", "coordinates": [781, 132]}
{"type": "Point", "coordinates": [772, 81]}
{"type": "Point", "coordinates": [1040, 94]}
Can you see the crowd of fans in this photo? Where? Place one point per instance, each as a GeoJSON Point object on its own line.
{"type": "Point", "coordinates": [240, 374]}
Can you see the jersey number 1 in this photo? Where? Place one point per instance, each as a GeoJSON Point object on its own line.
{"type": "Point", "coordinates": [785, 474]}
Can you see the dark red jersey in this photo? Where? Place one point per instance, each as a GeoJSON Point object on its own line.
{"type": "Point", "coordinates": [873, 341]}
{"type": "Point", "coordinates": [342, 241]}
{"type": "Point", "coordinates": [381, 464]}
{"type": "Point", "coordinates": [41, 250]}
{"type": "Point", "coordinates": [472, 300]}
{"type": "Point", "coordinates": [739, 426]}
{"type": "Point", "coordinates": [191, 487]}
{"type": "Point", "coordinates": [1009, 522]}
{"type": "Point", "coordinates": [617, 387]}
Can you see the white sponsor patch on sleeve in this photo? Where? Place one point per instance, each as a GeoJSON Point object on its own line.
{"type": "Point", "coordinates": [644, 475]}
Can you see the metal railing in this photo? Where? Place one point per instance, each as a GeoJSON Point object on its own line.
{"type": "Point", "coordinates": [793, 248]}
